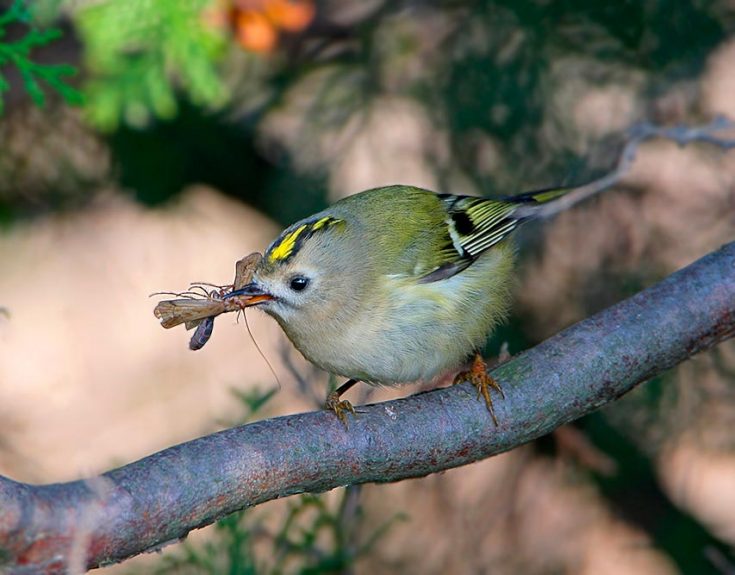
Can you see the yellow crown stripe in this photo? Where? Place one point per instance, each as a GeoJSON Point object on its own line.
{"type": "Point", "coordinates": [286, 245]}
{"type": "Point", "coordinates": [327, 220]}
{"type": "Point", "coordinates": [291, 241]}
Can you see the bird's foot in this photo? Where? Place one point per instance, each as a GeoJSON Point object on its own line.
{"type": "Point", "coordinates": [477, 375]}
{"type": "Point", "coordinates": [340, 407]}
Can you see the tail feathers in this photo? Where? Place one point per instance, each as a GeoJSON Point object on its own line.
{"type": "Point", "coordinates": [539, 196]}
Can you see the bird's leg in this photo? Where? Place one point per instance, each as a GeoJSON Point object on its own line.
{"type": "Point", "coordinates": [477, 375]}
{"type": "Point", "coordinates": [341, 407]}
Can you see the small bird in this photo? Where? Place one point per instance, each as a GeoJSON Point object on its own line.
{"type": "Point", "coordinates": [395, 284]}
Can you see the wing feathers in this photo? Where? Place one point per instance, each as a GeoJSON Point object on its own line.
{"type": "Point", "coordinates": [477, 224]}
{"type": "Point", "coordinates": [474, 225]}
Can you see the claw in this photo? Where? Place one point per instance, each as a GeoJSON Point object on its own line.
{"type": "Point", "coordinates": [477, 375]}
{"type": "Point", "coordinates": [340, 407]}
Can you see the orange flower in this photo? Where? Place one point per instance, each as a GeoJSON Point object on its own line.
{"type": "Point", "coordinates": [257, 22]}
{"type": "Point", "coordinates": [290, 15]}
{"type": "Point", "coordinates": [255, 32]}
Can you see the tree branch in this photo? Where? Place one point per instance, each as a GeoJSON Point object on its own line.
{"type": "Point", "coordinates": [144, 505]}
{"type": "Point", "coordinates": [637, 134]}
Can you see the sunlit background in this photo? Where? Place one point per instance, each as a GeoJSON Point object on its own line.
{"type": "Point", "coordinates": [145, 145]}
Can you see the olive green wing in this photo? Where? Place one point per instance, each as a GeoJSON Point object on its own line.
{"type": "Point", "coordinates": [426, 236]}
{"type": "Point", "coordinates": [474, 225]}
{"type": "Point", "coordinates": [471, 226]}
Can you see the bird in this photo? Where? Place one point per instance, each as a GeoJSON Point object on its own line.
{"type": "Point", "coordinates": [394, 285]}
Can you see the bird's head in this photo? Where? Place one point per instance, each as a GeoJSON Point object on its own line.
{"type": "Point", "coordinates": [302, 276]}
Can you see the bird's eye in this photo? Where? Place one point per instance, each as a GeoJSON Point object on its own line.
{"type": "Point", "coordinates": [298, 283]}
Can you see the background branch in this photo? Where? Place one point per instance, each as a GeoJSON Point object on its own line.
{"type": "Point", "coordinates": [159, 499]}
{"type": "Point", "coordinates": [637, 134]}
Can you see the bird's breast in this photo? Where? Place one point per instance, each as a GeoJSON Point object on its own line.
{"type": "Point", "coordinates": [408, 331]}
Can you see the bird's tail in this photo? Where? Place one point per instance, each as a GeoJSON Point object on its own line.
{"type": "Point", "coordinates": [539, 196]}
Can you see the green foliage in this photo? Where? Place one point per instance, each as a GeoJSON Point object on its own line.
{"type": "Point", "coordinates": [313, 537]}
{"type": "Point", "coordinates": [139, 53]}
{"type": "Point", "coordinates": [299, 541]}
{"type": "Point", "coordinates": [229, 551]}
{"type": "Point", "coordinates": [33, 74]}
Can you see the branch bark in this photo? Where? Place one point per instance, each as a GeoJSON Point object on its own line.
{"type": "Point", "coordinates": [144, 505]}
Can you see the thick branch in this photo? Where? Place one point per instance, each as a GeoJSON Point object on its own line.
{"type": "Point", "coordinates": [162, 497]}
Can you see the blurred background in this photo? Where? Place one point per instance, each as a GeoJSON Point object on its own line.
{"type": "Point", "coordinates": [145, 145]}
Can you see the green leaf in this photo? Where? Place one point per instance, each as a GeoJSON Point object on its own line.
{"type": "Point", "coordinates": [18, 54]}
{"type": "Point", "coordinates": [148, 53]}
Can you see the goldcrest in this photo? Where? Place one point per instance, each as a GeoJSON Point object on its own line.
{"type": "Point", "coordinates": [394, 284]}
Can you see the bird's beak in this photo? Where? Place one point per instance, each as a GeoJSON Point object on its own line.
{"type": "Point", "coordinates": [252, 293]}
